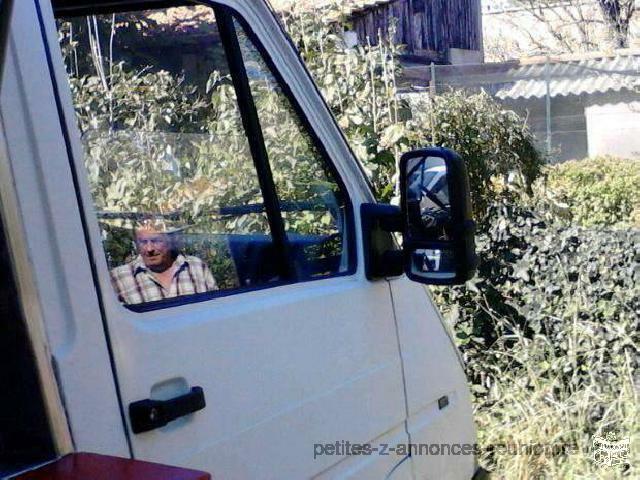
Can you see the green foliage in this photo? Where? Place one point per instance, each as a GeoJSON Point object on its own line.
{"type": "Point", "coordinates": [148, 143]}
{"type": "Point", "coordinates": [549, 327]}
{"type": "Point", "coordinates": [360, 87]}
{"type": "Point", "coordinates": [158, 144]}
{"type": "Point", "coordinates": [495, 143]}
{"type": "Point", "coordinates": [543, 276]}
{"type": "Point", "coordinates": [597, 192]}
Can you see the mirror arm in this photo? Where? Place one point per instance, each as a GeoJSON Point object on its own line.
{"type": "Point", "coordinates": [383, 257]}
{"type": "Point", "coordinates": [392, 221]}
{"type": "Point", "coordinates": [468, 226]}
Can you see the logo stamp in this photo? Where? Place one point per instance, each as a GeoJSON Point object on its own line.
{"type": "Point", "coordinates": [609, 452]}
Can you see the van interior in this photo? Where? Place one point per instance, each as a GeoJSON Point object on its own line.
{"type": "Point", "coordinates": [25, 436]}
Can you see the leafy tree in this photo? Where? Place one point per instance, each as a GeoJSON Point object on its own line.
{"type": "Point", "coordinates": [359, 84]}
{"type": "Point", "coordinates": [496, 144]}
{"type": "Point", "coordinates": [360, 87]}
{"type": "Point", "coordinates": [158, 144]}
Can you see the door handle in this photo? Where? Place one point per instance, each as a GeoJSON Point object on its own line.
{"type": "Point", "coordinates": [146, 415]}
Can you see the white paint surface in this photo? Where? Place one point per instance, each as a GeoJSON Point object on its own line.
{"type": "Point", "coordinates": [282, 369]}
{"type": "Point", "coordinates": [614, 129]}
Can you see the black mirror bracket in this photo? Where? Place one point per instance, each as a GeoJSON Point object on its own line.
{"type": "Point", "coordinates": [383, 257]}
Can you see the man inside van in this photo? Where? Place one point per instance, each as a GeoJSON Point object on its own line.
{"type": "Point", "coordinates": [160, 271]}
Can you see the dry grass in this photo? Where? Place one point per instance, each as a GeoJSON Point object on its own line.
{"type": "Point", "coordinates": [524, 408]}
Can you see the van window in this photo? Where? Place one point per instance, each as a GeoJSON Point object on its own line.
{"type": "Point", "coordinates": [171, 159]}
{"type": "Point", "coordinates": [314, 206]}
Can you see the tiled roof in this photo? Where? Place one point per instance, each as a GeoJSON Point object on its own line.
{"type": "Point", "coordinates": [588, 76]}
{"type": "Point", "coordinates": [367, 4]}
{"type": "Point", "coordinates": [351, 6]}
{"type": "Point", "coordinates": [527, 78]}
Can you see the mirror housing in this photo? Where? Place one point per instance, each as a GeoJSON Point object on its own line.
{"type": "Point", "coordinates": [438, 228]}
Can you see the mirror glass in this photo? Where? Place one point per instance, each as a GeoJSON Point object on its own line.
{"type": "Point", "coordinates": [429, 216]}
{"type": "Point", "coordinates": [428, 203]}
{"type": "Point", "coordinates": [437, 264]}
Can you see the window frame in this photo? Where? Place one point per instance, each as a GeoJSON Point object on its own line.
{"type": "Point", "coordinates": [323, 155]}
{"type": "Point", "coordinates": [255, 138]}
{"type": "Point", "coordinates": [253, 130]}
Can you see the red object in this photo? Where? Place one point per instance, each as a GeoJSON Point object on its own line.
{"type": "Point", "coordinates": [91, 466]}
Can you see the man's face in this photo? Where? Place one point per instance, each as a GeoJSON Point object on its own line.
{"type": "Point", "coordinates": [155, 249]}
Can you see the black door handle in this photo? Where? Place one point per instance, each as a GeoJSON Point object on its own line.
{"type": "Point", "coordinates": [147, 415]}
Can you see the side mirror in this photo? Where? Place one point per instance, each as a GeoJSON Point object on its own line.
{"type": "Point", "coordinates": [439, 243]}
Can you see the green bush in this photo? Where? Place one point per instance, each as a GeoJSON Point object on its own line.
{"type": "Point", "coordinates": [541, 276]}
{"type": "Point", "coordinates": [549, 331]}
{"type": "Point", "coordinates": [602, 191]}
{"type": "Point", "coordinates": [158, 144]}
{"type": "Point", "coordinates": [495, 143]}
{"type": "Point", "coordinates": [359, 84]}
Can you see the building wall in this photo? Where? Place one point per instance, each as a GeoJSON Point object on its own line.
{"type": "Point", "coordinates": [613, 125]}
{"type": "Point", "coordinates": [428, 28]}
{"type": "Point", "coordinates": [585, 126]}
{"type": "Point", "coordinates": [569, 136]}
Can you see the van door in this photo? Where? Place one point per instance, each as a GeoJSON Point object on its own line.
{"type": "Point", "coordinates": [440, 419]}
{"type": "Point", "coordinates": [44, 232]}
{"type": "Point", "coordinates": [246, 340]}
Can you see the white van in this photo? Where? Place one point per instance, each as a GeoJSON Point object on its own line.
{"type": "Point", "coordinates": [288, 336]}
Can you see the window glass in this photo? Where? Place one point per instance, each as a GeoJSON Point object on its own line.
{"type": "Point", "coordinates": [169, 166]}
{"type": "Point", "coordinates": [313, 204]}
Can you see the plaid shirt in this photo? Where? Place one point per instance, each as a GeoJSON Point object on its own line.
{"type": "Point", "coordinates": [134, 283]}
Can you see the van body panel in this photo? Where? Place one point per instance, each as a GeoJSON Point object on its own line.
{"type": "Point", "coordinates": [54, 241]}
{"type": "Point", "coordinates": [357, 467]}
{"type": "Point", "coordinates": [403, 471]}
{"type": "Point", "coordinates": [283, 369]}
{"type": "Point", "coordinates": [26, 288]}
{"type": "Point", "coordinates": [433, 371]}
